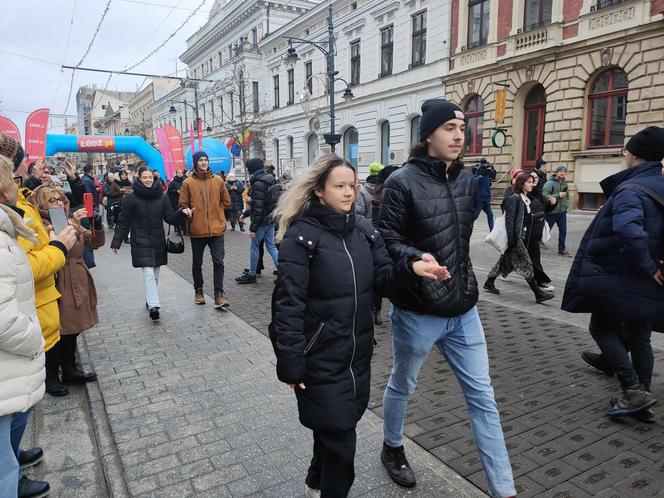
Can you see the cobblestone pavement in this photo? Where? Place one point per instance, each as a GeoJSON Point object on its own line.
{"type": "Point", "coordinates": [195, 409]}
{"type": "Point", "coordinates": [553, 405]}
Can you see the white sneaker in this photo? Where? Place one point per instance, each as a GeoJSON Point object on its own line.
{"type": "Point", "coordinates": [547, 287]}
{"type": "Point", "coordinates": [311, 492]}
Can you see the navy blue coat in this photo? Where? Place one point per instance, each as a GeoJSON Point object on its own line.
{"type": "Point", "coordinates": [613, 269]}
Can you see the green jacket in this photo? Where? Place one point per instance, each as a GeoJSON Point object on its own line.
{"type": "Point", "coordinates": [551, 189]}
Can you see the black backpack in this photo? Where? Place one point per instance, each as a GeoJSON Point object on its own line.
{"type": "Point", "coordinates": [309, 237]}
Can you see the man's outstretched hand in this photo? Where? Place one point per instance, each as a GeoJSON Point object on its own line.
{"type": "Point", "coordinates": [428, 267]}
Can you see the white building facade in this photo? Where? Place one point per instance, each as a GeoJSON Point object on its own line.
{"type": "Point", "coordinates": [392, 53]}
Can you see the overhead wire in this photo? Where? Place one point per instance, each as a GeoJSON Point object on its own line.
{"type": "Point", "coordinates": [87, 51]}
{"type": "Point", "coordinates": [64, 56]}
{"type": "Point", "coordinates": [29, 57]}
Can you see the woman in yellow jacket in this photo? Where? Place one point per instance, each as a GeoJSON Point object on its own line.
{"type": "Point", "coordinates": [46, 258]}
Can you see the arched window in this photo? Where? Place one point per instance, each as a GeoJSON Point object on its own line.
{"type": "Point", "coordinates": [474, 111]}
{"type": "Point", "coordinates": [385, 143]}
{"type": "Point", "coordinates": [607, 109]}
{"type": "Point", "coordinates": [351, 146]}
{"type": "Point", "coordinates": [415, 130]}
{"type": "Point", "coordinates": [312, 148]}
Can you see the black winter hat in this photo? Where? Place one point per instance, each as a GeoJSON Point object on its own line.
{"type": "Point", "coordinates": [254, 165]}
{"type": "Point", "coordinates": [436, 112]}
{"type": "Point", "coordinates": [648, 144]}
{"type": "Point", "coordinates": [197, 156]}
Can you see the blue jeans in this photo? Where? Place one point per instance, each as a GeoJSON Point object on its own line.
{"type": "Point", "coordinates": [461, 341]}
{"type": "Point", "coordinates": [19, 423]}
{"type": "Point", "coordinates": [8, 462]}
{"type": "Point", "coordinates": [263, 232]}
{"type": "Point", "coordinates": [559, 219]}
{"type": "Point", "coordinates": [486, 207]}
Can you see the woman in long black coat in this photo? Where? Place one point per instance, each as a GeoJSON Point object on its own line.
{"type": "Point", "coordinates": [331, 264]}
{"type": "Point", "coordinates": [173, 194]}
{"type": "Point", "coordinates": [143, 214]}
{"type": "Point", "coordinates": [519, 222]}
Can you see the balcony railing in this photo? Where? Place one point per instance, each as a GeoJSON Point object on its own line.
{"type": "Point", "coordinates": [530, 39]}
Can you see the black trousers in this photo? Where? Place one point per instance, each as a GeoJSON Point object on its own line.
{"type": "Point", "coordinates": [53, 360]}
{"type": "Point", "coordinates": [216, 244]}
{"type": "Point", "coordinates": [535, 253]}
{"type": "Point", "coordinates": [68, 349]}
{"type": "Point", "coordinates": [615, 339]}
{"type": "Point", "coordinates": [332, 468]}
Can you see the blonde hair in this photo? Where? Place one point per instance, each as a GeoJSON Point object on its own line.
{"type": "Point", "coordinates": [6, 173]}
{"type": "Point", "coordinates": [301, 193]}
{"type": "Point", "coordinates": [42, 194]}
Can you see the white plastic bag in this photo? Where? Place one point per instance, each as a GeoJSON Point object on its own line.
{"type": "Point", "coordinates": [546, 233]}
{"type": "Point", "coordinates": [498, 236]}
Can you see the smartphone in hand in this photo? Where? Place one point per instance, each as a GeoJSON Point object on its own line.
{"type": "Point", "coordinates": [88, 204]}
{"type": "Point", "coordinates": [58, 219]}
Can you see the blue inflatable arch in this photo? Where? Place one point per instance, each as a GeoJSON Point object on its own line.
{"type": "Point", "coordinates": [92, 143]}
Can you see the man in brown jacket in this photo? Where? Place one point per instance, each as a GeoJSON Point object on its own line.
{"type": "Point", "coordinates": [204, 197]}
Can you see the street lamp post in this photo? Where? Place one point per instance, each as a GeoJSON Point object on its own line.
{"type": "Point", "coordinates": [331, 138]}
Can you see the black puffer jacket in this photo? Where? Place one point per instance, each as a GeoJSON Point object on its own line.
{"type": "Point", "coordinates": [143, 213]}
{"type": "Point", "coordinates": [260, 182]}
{"type": "Point", "coordinates": [173, 191]}
{"type": "Point", "coordinates": [428, 209]}
{"type": "Point", "coordinates": [328, 273]}
{"type": "Point", "coordinates": [237, 203]}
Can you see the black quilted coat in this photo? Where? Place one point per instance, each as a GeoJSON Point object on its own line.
{"type": "Point", "coordinates": [260, 182]}
{"type": "Point", "coordinates": [329, 270]}
{"type": "Point", "coordinates": [143, 214]}
{"type": "Point", "coordinates": [428, 209]}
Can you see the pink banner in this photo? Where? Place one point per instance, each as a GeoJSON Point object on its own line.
{"type": "Point", "coordinates": [35, 134]}
{"type": "Point", "coordinates": [175, 140]}
{"type": "Point", "coordinates": [200, 134]}
{"type": "Point", "coordinates": [166, 153]}
{"type": "Point", "coordinates": [8, 127]}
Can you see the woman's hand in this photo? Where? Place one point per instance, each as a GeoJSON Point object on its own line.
{"type": "Point", "coordinates": [300, 385]}
{"type": "Point", "coordinates": [428, 267]}
{"type": "Point", "coordinates": [79, 215]}
{"type": "Point", "coordinates": [188, 212]}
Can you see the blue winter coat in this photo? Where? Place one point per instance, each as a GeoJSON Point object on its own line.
{"type": "Point", "coordinates": [485, 187]}
{"type": "Point", "coordinates": [612, 271]}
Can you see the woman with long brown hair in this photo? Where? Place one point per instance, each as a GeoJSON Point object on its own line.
{"type": "Point", "coordinates": [331, 260]}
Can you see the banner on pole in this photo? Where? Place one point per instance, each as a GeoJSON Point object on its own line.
{"type": "Point", "coordinates": [166, 153]}
{"type": "Point", "coordinates": [501, 102]}
{"type": "Point", "coordinates": [35, 134]}
{"type": "Point", "coordinates": [175, 141]}
{"type": "Point", "coordinates": [191, 140]}
{"type": "Point", "coordinates": [8, 127]}
{"type": "Point", "coordinates": [200, 134]}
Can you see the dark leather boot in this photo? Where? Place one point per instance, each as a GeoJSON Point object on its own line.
{"type": "Point", "coordinates": [27, 488]}
{"type": "Point", "coordinates": [540, 295]}
{"type": "Point", "coordinates": [53, 385]}
{"type": "Point", "coordinates": [490, 285]}
{"type": "Point", "coordinates": [71, 374]}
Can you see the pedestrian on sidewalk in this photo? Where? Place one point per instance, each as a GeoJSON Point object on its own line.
{"type": "Point", "coordinates": [485, 175]}
{"type": "Point", "coordinates": [617, 274]}
{"type": "Point", "coordinates": [331, 264]}
{"type": "Point", "coordinates": [235, 190]}
{"type": "Point", "coordinates": [428, 207]}
{"type": "Point", "coordinates": [46, 258]}
{"type": "Point", "coordinates": [173, 193]}
{"type": "Point", "coordinates": [366, 193]}
{"type": "Point", "coordinates": [556, 190]}
{"type": "Point", "coordinates": [262, 223]}
{"type": "Point", "coordinates": [206, 197]}
{"type": "Point", "coordinates": [120, 187]}
{"type": "Point", "coordinates": [143, 213]}
{"type": "Point", "coordinates": [381, 178]}
{"type": "Point", "coordinates": [78, 295]}
{"type": "Point", "coordinates": [21, 345]}
{"type": "Point", "coordinates": [539, 206]}
{"type": "Point", "coordinates": [519, 224]}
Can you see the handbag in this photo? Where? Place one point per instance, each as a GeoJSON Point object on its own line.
{"type": "Point", "coordinates": [498, 236]}
{"type": "Point", "coordinates": [546, 233]}
{"type": "Point", "coordinates": [174, 246]}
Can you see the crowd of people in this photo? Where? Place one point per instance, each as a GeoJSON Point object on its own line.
{"type": "Point", "coordinates": [337, 245]}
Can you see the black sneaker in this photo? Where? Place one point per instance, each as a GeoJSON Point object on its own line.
{"type": "Point", "coordinates": [154, 313]}
{"type": "Point", "coordinates": [597, 361]}
{"type": "Point", "coordinates": [30, 458]}
{"type": "Point", "coordinates": [246, 279]}
{"type": "Point", "coordinates": [632, 400]}
{"type": "Point", "coordinates": [27, 488]}
{"type": "Point", "coordinates": [397, 466]}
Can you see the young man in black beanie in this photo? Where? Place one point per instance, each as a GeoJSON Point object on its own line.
{"type": "Point", "coordinates": [204, 199]}
{"type": "Point", "coordinates": [617, 274]}
{"type": "Point", "coordinates": [262, 224]}
{"type": "Point", "coordinates": [428, 206]}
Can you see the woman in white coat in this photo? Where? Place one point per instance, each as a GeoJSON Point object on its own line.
{"type": "Point", "coordinates": [21, 343]}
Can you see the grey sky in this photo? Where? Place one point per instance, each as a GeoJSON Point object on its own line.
{"type": "Point", "coordinates": [130, 31]}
